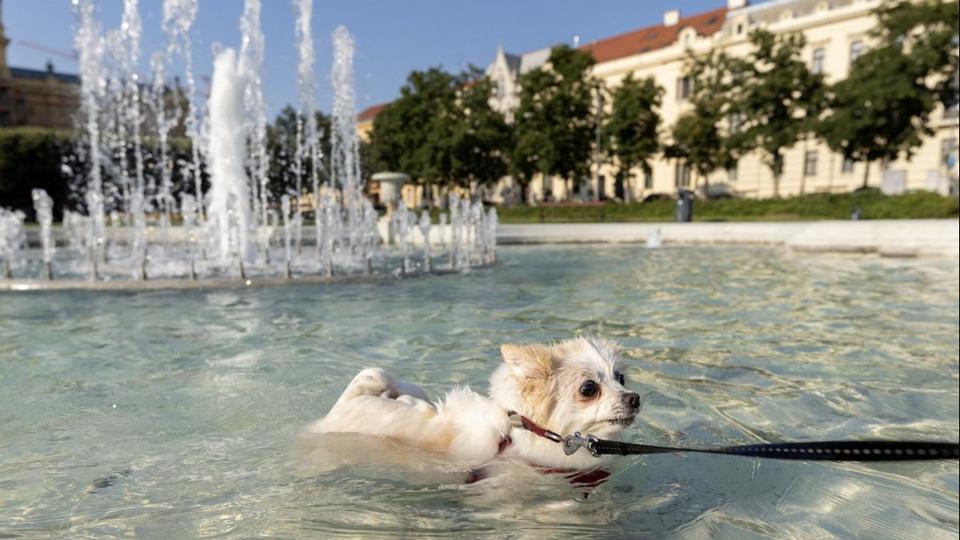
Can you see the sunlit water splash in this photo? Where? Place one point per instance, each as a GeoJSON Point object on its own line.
{"type": "Point", "coordinates": [307, 157]}
{"type": "Point", "coordinates": [228, 231]}
{"type": "Point", "coordinates": [250, 68]}
{"type": "Point", "coordinates": [90, 48]}
{"type": "Point", "coordinates": [229, 211]}
{"type": "Point", "coordinates": [178, 19]}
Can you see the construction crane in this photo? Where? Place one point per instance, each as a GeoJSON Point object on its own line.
{"type": "Point", "coordinates": [67, 55]}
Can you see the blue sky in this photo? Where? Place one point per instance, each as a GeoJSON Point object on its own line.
{"type": "Point", "coordinates": [392, 36]}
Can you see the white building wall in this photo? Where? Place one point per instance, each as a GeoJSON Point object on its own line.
{"type": "Point", "coordinates": [833, 29]}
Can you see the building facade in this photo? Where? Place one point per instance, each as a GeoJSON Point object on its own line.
{"type": "Point", "coordinates": [31, 97]}
{"type": "Point", "coordinates": [836, 32]}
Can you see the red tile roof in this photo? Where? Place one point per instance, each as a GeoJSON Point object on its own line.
{"type": "Point", "coordinates": [654, 37]}
{"type": "Point", "coordinates": [638, 41]}
{"type": "Point", "coordinates": [371, 112]}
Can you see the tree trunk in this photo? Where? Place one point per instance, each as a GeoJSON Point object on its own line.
{"type": "Point", "coordinates": [866, 172]}
{"type": "Point", "coordinates": [777, 170]}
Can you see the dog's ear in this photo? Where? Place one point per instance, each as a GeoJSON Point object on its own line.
{"type": "Point", "coordinates": [528, 361]}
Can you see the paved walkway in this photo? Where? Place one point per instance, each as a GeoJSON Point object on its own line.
{"type": "Point", "coordinates": [893, 238]}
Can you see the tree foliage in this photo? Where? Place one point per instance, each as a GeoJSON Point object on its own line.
{"type": "Point", "coordinates": [31, 158]}
{"type": "Point", "coordinates": [776, 97]}
{"type": "Point", "coordinates": [927, 32]}
{"type": "Point", "coordinates": [880, 111]}
{"type": "Point", "coordinates": [631, 131]}
{"type": "Point", "coordinates": [555, 121]}
{"type": "Point", "coordinates": [282, 144]}
{"type": "Point", "coordinates": [480, 136]}
{"type": "Point", "coordinates": [442, 130]}
{"type": "Point", "coordinates": [414, 133]}
{"type": "Point", "coordinates": [698, 135]}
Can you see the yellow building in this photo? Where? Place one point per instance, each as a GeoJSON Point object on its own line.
{"type": "Point", "coordinates": [365, 120]}
{"type": "Point", "coordinates": [30, 97]}
{"type": "Point", "coordinates": [836, 31]}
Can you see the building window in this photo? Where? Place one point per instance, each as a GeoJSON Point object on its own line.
{"type": "Point", "coordinates": [647, 179]}
{"type": "Point", "coordinates": [856, 51]}
{"type": "Point", "coordinates": [683, 175]}
{"type": "Point", "coordinates": [810, 163]}
{"type": "Point", "coordinates": [734, 121]}
{"type": "Point", "coordinates": [847, 166]}
{"type": "Point", "coordinates": [953, 111]}
{"type": "Point", "coordinates": [732, 172]}
{"type": "Point", "coordinates": [684, 88]}
{"type": "Point", "coordinates": [819, 54]}
{"type": "Point", "coordinates": [948, 153]}
{"type": "Point", "coordinates": [739, 28]}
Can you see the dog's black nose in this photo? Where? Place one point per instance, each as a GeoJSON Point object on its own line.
{"type": "Point", "coordinates": [632, 399]}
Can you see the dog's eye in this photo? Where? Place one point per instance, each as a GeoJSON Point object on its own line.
{"type": "Point", "coordinates": [620, 378]}
{"type": "Point", "coordinates": [589, 389]}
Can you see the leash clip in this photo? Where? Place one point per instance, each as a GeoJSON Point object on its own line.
{"type": "Point", "coordinates": [572, 443]}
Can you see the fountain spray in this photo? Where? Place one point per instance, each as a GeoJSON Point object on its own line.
{"type": "Point", "coordinates": [229, 211]}
{"type": "Point", "coordinates": [90, 47]}
{"type": "Point", "coordinates": [178, 18]}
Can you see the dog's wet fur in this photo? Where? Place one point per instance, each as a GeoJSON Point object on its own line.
{"type": "Point", "coordinates": [573, 385]}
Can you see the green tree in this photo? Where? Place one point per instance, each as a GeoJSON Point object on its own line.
{"type": "Point", "coordinates": [698, 137]}
{"type": "Point", "coordinates": [928, 32]}
{"type": "Point", "coordinates": [414, 133]}
{"type": "Point", "coordinates": [880, 110]}
{"type": "Point", "coordinates": [630, 132]}
{"type": "Point", "coordinates": [480, 133]}
{"type": "Point", "coordinates": [282, 144]}
{"type": "Point", "coordinates": [775, 96]}
{"type": "Point", "coordinates": [555, 123]}
{"type": "Point", "coordinates": [31, 158]}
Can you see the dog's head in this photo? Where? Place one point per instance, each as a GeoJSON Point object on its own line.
{"type": "Point", "coordinates": [574, 385]}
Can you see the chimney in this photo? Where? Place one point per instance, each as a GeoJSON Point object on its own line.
{"type": "Point", "coordinates": [671, 17]}
{"type": "Point", "coordinates": [736, 4]}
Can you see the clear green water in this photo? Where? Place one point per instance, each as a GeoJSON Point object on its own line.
{"type": "Point", "coordinates": [175, 414]}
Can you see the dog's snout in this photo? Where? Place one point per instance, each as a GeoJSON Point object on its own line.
{"type": "Point", "coordinates": [632, 400]}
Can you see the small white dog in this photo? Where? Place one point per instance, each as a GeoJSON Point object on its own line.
{"type": "Point", "coordinates": [574, 385]}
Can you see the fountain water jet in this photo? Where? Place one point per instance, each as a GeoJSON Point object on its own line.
{"type": "Point", "coordinates": [178, 18]}
{"type": "Point", "coordinates": [307, 146]}
{"type": "Point", "coordinates": [43, 206]}
{"type": "Point", "coordinates": [229, 210]}
{"type": "Point", "coordinates": [233, 221]}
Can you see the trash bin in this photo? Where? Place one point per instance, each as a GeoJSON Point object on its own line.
{"type": "Point", "coordinates": [684, 205]}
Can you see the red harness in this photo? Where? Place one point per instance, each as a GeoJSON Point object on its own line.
{"type": "Point", "coordinates": [590, 478]}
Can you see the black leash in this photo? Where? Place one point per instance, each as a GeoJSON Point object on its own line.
{"type": "Point", "coordinates": [810, 451]}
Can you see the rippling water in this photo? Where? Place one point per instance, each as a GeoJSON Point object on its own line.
{"type": "Point", "coordinates": [175, 414]}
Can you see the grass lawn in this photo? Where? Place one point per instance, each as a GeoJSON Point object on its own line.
{"type": "Point", "coordinates": [872, 205]}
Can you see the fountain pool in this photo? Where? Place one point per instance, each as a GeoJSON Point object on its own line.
{"type": "Point", "coordinates": [171, 415]}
